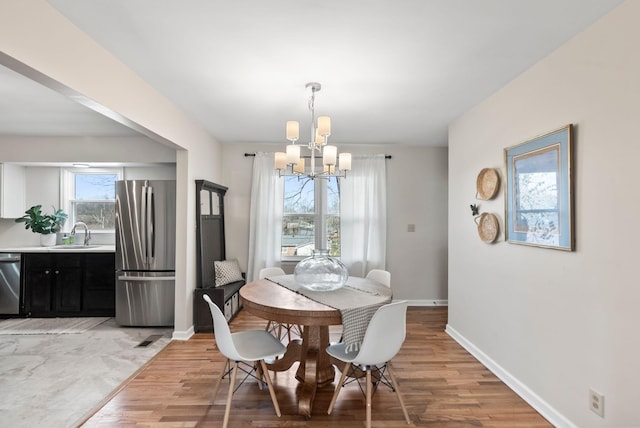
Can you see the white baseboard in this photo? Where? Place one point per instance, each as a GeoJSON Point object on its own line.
{"type": "Point", "coordinates": [534, 400]}
{"type": "Point", "coordinates": [427, 302]}
{"type": "Point", "coordinates": [183, 335]}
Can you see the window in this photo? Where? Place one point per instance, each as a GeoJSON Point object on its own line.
{"type": "Point", "coordinates": [90, 197]}
{"type": "Point", "coordinates": [311, 216]}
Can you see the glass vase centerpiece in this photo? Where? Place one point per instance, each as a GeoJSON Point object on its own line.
{"type": "Point", "coordinates": [321, 272]}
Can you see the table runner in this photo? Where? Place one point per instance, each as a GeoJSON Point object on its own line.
{"type": "Point", "coordinates": [355, 302]}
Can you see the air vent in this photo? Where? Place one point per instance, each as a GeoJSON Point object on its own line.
{"type": "Point", "coordinates": [149, 340]}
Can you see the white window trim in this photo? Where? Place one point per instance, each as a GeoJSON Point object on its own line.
{"type": "Point", "coordinates": [67, 190]}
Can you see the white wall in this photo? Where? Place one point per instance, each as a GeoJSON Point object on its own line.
{"type": "Point", "coordinates": [84, 149]}
{"type": "Point", "coordinates": [161, 172]}
{"type": "Point", "coordinates": [416, 194]}
{"type": "Point", "coordinates": [36, 40]}
{"type": "Point", "coordinates": [557, 323]}
{"type": "Point", "coordinates": [43, 183]}
{"type": "Point", "coordinates": [42, 187]}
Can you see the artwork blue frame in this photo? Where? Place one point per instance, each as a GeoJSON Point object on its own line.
{"type": "Point", "coordinates": [539, 191]}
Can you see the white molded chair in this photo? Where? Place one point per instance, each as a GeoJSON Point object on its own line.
{"type": "Point", "coordinates": [274, 326]}
{"type": "Point", "coordinates": [382, 276]}
{"type": "Point", "coordinates": [245, 347]}
{"type": "Point", "coordinates": [382, 341]}
{"type": "Point", "coordinates": [270, 271]}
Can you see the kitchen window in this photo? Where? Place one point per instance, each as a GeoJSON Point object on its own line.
{"type": "Point", "coordinates": [311, 216]}
{"type": "Point", "coordinates": [89, 196]}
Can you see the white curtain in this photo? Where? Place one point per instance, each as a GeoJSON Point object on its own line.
{"type": "Point", "coordinates": [265, 219]}
{"type": "Point", "coordinates": [363, 215]}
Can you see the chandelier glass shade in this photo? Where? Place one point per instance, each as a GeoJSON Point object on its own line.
{"type": "Point", "coordinates": [291, 162]}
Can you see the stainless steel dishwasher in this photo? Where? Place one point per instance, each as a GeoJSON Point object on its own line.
{"type": "Point", "coordinates": [9, 283]}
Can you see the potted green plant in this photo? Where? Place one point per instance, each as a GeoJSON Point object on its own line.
{"type": "Point", "coordinates": [47, 225]}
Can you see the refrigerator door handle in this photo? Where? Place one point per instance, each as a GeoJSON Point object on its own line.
{"type": "Point", "coordinates": [152, 227]}
{"type": "Point", "coordinates": [143, 226]}
{"type": "Point", "coordinates": [146, 278]}
{"type": "Point", "coordinates": [148, 226]}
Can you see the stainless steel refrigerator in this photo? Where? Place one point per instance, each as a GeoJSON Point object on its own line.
{"type": "Point", "coordinates": [145, 252]}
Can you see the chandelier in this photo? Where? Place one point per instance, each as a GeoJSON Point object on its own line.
{"type": "Point", "coordinates": [291, 163]}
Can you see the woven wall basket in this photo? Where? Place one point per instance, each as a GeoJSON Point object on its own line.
{"type": "Point", "coordinates": [487, 227]}
{"type": "Point", "coordinates": [487, 184]}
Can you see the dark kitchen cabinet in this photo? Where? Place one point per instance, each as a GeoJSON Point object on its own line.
{"type": "Point", "coordinates": [53, 283]}
{"type": "Point", "coordinates": [37, 289]}
{"type": "Point", "coordinates": [69, 284]}
{"type": "Point", "coordinates": [98, 284]}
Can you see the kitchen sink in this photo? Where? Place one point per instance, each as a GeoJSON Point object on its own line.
{"type": "Point", "coordinates": [74, 247]}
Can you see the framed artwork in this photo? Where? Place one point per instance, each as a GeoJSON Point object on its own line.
{"type": "Point", "coordinates": [539, 191]}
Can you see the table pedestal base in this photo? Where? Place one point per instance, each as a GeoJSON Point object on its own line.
{"type": "Point", "coordinates": [315, 369]}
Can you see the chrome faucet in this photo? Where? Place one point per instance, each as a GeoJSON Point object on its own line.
{"type": "Point", "coordinates": [87, 233]}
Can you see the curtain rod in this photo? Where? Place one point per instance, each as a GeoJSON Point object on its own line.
{"type": "Point", "coordinates": [253, 154]}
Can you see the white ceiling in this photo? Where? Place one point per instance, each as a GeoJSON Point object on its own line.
{"type": "Point", "coordinates": [392, 71]}
{"type": "Point", "coordinates": [28, 108]}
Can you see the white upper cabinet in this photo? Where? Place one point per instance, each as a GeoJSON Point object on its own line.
{"type": "Point", "coordinates": [12, 190]}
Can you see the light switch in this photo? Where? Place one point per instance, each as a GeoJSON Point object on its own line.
{"type": "Point", "coordinates": [411, 228]}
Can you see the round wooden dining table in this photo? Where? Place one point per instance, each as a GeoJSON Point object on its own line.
{"type": "Point", "coordinates": [274, 302]}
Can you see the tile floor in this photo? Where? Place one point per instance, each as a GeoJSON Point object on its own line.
{"type": "Point", "coordinates": [54, 380]}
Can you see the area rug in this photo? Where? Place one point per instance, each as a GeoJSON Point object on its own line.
{"type": "Point", "coordinates": [68, 375]}
{"type": "Point", "coordinates": [49, 325]}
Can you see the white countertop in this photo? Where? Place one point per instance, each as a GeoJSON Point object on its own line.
{"type": "Point", "coordinates": [61, 249]}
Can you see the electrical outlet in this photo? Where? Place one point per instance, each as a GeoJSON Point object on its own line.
{"type": "Point", "coordinates": [596, 403]}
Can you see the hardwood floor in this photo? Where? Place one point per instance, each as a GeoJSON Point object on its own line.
{"type": "Point", "coordinates": [442, 385]}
